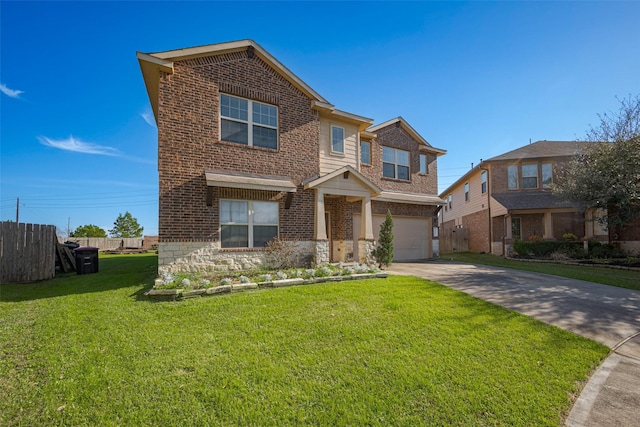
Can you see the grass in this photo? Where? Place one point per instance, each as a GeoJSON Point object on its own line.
{"type": "Point", "coordinates": [92, 350]}
{"type": "Point", "coordinates": [607, 276]}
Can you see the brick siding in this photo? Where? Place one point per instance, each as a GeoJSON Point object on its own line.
{"type": "Point", "coordinates": [477, 223]}
{"type": "Point", "coordinates": [396, 137]}
{"type": "Point", "coordinates": [189, 143]}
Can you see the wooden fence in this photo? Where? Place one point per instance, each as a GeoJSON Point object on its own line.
{"type": "Point", "coordinates": [454, 240]}
{"type": "Point", "coordinates": [27, 252]}
{"type": "Point", "coordinates": [106, 243]}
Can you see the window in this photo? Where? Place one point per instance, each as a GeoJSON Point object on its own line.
{"type": "Point", "coordinates": [512, 174]}
{"type": "Point", "coordinates": [483, 181]}
{"type": "Point", "coordinates": [515, 229]}
{"type": "Point", "coordinates": [466, 191]}
{"type": "Point", "coordinates": [547, 175]}
{"type": "Point", "coordinates": [450, 200]}
{"type": "Point", "coordinates": [530, 176]}
{"type": "Point", "coordinates": [423, 164]}
{"type": "Point", "coordinates": [337, 140]}
{"type": "Point", "coordinates": [395, 163]}
{"type": "Point", "coordinates": [365, 153]}
{"type": "Point", "coordinates": [248, 122]}
{"type": "Point", "coordinates": [247, 224]}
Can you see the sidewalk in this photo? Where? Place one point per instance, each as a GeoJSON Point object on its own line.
{"type": "Point", "coordinates": [612, 395]}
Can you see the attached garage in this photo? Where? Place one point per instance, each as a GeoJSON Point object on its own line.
{"type": "Point", "coordinates": [411, 236]}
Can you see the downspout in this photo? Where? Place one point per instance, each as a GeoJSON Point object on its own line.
{"type": "Point", "coordinates": [488, 206]}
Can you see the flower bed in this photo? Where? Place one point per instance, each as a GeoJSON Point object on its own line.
{"type": "Point", "coordinates": [183, 286]}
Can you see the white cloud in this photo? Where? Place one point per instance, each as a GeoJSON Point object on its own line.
{"type": "Point", "coordinates": [13, 93]}
{"type": "Point", "coordinates": [148, 117]}
{"type": "Point", "coordinates": [78, 146]}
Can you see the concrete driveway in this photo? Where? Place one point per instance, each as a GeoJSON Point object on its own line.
{"type": "Point", "coordinates": [605, 314]}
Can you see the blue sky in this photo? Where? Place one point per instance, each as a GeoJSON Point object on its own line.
{"type": "Point", "coordinates": [78, 144]}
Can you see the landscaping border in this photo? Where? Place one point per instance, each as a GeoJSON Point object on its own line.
{"type": "Point", "coordinates": [181, 294]}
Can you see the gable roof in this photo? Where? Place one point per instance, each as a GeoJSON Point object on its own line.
{"type": "Point", "coordinates": [151, 64]}
{"type": "Point", "coordinates": [540, 149]}
{"type": "Point", "coordinates": [425, 146]}
{"type": "Point", "coordinates": [348, 170]}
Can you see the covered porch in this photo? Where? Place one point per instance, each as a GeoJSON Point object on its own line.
{"type": "Point", "coordinates": [337, 195]}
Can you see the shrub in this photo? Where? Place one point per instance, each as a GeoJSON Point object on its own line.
{"type": "Point", "coordinates": [384, 252]}
{"type": "Point", "coordinates": [281, 275]}
{"type": "Point", "coordinates": [569, 236]}
{"type": "Point", "coordinates": [283, 254]}
{"type": "Point", "coordinates": [225, 281]}
{"type": "Point", "coordinates": [545, 248]}
{"type": "Point", "coordinates": [265, 277]}
{"type": "Point", "coordinates": [604, 250]}
{"type": "Point", "coordinates": [244, 279]}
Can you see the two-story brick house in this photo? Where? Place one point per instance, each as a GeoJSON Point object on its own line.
{"type": "Point", "coordinates": [509, 197]}
{"type": "Point", "coordinates": [248, 152]}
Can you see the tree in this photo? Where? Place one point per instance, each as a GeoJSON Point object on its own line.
{"type": "Point", "coordinates": [88, 230]}
{"type": "Point", "coordinates": [606, 175]}
{"type": "Point", "coordinates": [126, 226]}
{"type": "Point", "coordinates": [384, 252]}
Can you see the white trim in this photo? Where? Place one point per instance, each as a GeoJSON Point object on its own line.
{"type": "Point", "coordinates": [332, 126]}
{"type": "Point", "coordinates": [249, 122]}
{"type": "Point", "coordinates": [250, 220]}
{"type": "Point", "coordinates": [370, 186]}
{"type": "Point", "coordinates": [425, 146]}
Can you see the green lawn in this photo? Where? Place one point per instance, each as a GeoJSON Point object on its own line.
{"type": "Point", "coordinates": [92, 350]}
{"type": "Point", "coordinates": [629, 279]}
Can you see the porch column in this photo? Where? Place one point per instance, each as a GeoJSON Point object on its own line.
{"type": "Point", "coordinates": [366, 225]}
{"type": "Point", "coordinates": [588, 224]}
{"type": "Point", "coordinates": [548, 225]}
{"type": "Point", "coordinates": [509, 228]}
{"type": "Point", "coordinates": [321, 226]}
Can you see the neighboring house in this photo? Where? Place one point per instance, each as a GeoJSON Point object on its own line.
{"type": "Point", "coordinates": [509, 198]}
{"type": "Point", "coordinates": [248, 152]}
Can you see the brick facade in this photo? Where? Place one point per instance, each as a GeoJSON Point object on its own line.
{"type": "Point", "coordinates": [478, 223]}
{"type": "Point", "coordinates": [189, 140]}
{"type": "Point", "coordinates": [396, 137]}
{"type": "Point", "coordinates": [187, 111]}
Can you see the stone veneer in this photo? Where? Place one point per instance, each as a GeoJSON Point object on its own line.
{"type": "Point", "coordinates": [365, 248]}
{"type": "Point", "coordinates": [322, 251]}
{"type": "Point", "coordinates": [205, 257]}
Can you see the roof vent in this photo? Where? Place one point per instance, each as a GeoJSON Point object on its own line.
{"type": "Point", "coordinates": [250, 52]}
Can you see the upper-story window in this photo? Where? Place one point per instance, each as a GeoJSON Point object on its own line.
{"type": "Point", "coordinates": [450, 200]}
{"type": "Point", "coordinates": [248, 122]}
{"type": "Point", "coordinates": [483, 181]}
{"type": "Point", "coordinates": [530, 176]}
{"type": "Point", "coordinates": [423, 164]}
{"type": "Point", "coordinates": [337, 139]}
{"type": "Point", "coordinates": [365, 153]}
{"type": "Point", "coordinates": [547, 175]}
{"type": "Point", "coordinates": [247, 224]}
{"type": "Point", "coordinates": [512, 177]}
{"type": "Point", "coordinates": [395, 163]}
{"type": "Point", "coordinates": [466, 191]}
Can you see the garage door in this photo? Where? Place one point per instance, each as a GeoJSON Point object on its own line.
{"type": "Point", "coordinates": [411, 236]}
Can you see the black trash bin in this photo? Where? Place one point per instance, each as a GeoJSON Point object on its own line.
{"type": "Point", "coordinates": [86, 260]}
